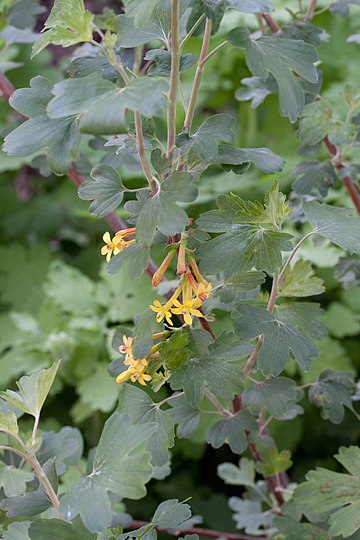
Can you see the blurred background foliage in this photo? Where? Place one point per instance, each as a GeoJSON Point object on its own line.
{"type": "Point", "coordinates": [56, 299]}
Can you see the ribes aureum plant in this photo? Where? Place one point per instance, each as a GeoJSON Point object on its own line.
{"type": "Point", "coordinates": [124, 95]}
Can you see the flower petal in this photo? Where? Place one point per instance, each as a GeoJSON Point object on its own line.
{"type": "Point", "coordinates": [107, 237]}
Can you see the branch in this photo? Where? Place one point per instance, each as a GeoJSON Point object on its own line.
{"type": "Point", "coordinates": [141, 150]}
{"type": "Point", "coordinates": [310, 10]}
{"type": "Point", "coordinates": [207, 533]}
{"type": "Point", "coordinates": [6, 88]}
{"type": "Point", "coordinates": [174, 77]}
{"type": "Point", "coordinates": [272, 24]}
{"type": "Point", "coordinates": [198, 76]}
{"type": "Point", "coordinates": [347, 181]}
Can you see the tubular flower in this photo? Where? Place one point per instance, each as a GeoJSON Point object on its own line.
{"type": "Point", "coordinates": [181, 264]}
{"type": "Point", "coordinates": [125, 232]}
{"type": "Point", "coordinates": [157, 277]}
{"type": "Point", "coordinates": [187, 309]}
{"type": "Point", "coordinates": [113, 246]}
{"type": "Point", "coordinates": [162, 312]}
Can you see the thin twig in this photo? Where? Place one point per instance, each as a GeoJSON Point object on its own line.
{"type": "Point", "coordinates": [347, 181]}
{"type": "Point", "coordinates": [198, 77]}
{"type": "Point", "coordinates": [214, 51]}
{"type": "Point", "coordinates": [310, 10]}
{"type": "Point", "coordinates": [272, 24]}
{"type": "Point", "coordinates": [140, 144]}
{"type": "Point", "coordinates": [43, 479]}
{"type": "Point", "coordinates": [174, 77]}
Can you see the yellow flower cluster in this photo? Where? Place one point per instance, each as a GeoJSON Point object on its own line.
{"type": "Point", "coordinates": [193, 288]}
{"type": "Point", "coordinates": [116, 244]}
{"type": "Point", "coordinates": [137, 367]}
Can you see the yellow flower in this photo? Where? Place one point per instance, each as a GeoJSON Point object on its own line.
{"type": "Point", "coordinates": [139, 372]}
{"type": "Point", "coordinates": [187, 309]}
{"type": "Point", "coordinates": [124, 376]}
{"type": "Point", "coordinates": [162, 311]}
{"type": "Point", "coordinates": [115, 245]}
{"type": "Point", "coordinates": [128, 343]}
{"type": "Point", "coordinates": [204, 291]}
{"type": "Point", "coordinates": [135, 372]}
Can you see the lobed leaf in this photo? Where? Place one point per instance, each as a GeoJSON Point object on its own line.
{"type": "Point", "coordinates": [282, 58]}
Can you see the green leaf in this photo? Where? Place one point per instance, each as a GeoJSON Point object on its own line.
{"type": "Point", "coordinates": [275, 395]}
{"type": "Point", "coordinates": [8, 423]}
{"type": "Point", "coordinates": [17, 531]}
{"type": "Point", "coordinates": [68, 23]}
{"type": "Point", "coordinates": [319, 121]}
{"type": "Point", "coordinates": [251, 6]}
{"type": "Point", "coordinates": [338, 493]}
{"type": "Point", "coordinates": [13, 481]}
{"type": "Point", "coordinates": [33, 391]}
{"type": "Point", "coordinates": [299, 280]}
{"type": "Point", "coordinates": [341, 320]}
{"type": "Point", "coordinates": [31, 503]}
{"type": "Point", "coordinates": [263, 158]}
{"type": "Point", "coordinates": [140, 10]}
{"type": "Point", "coordinates": [187, 418]}
{"type": "Point", "coordinates": [171, 514]}
{"type": "Point", "coordinates": [314, 175]}
{"type": "Point", "coordinates": [247, 241]}
{"type": "Point", "coordinates": [282, 58]}
{"type": "Point", "coordinates": [101, 104]}
{"type": "Point", "coordinates": [74, 96]}
{"type": "Point", "coordinates": [203, 142]}
{"type": "Point", "coordinates": [60, 137]}
{"type": "Point", "coordinates": [245, 248]}
{"type": "Point", "coordinates": [129, 36]}
{"type": "Point", "coordinates": [121, 465]}
{"type": "Point", "coordinates": [276, 206]}
{"type": "Point", "coordinates": [340, 225]}
{"type": "Point", "coordinates": [174, 352]}
{"type": "Point", "coordinates": [232, 431]}
{"type": "Point", "coordinates": [98, 391]}
{"type": "Point", "coordinates": [289, 529]}
{"type": "Point", "coordinates": [246, 281]}
{"type": "Point", "coordinates": [161, 212]}
{"type": "Point", "coordinates": [66, 447]}
{"type": "Point", "coordinates": [243, 475]}
{"type": "Point", "coordinates": [271, 460]}
{"type": "Point", "coordinates": [145, 327]}
{"type": "Point", "coordinates": [332, 393]}
{"type": "Point", "coordinates": [280, 336]}
{"type": "Point", "coordinates": [162, 62]}
{"type": "Point", "coordinates": [106, 192]}
{"type": "Point", "coordinates": [143, 410]}
{"type": "Point", "coordinates": [70, 290]}
{"type": "Point", "coordinates": [214, 368]}
{"type": "Point", "coordinates": [249, 515]}
{"type": "Point", "coordinates": [133, 260]}
{"type": "Point", "coordinates": [43, 529]}
{"type": "Point", "coordinates": [19, 290]}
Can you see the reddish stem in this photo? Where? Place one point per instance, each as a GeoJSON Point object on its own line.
{"type": "Point", "coordinates": [272, 24]}
{"type": "Point", "coordinates": [207, 533]}
{"type": "Point", "coordinates": [347, 181]}
{"type": "Point", "coordinates": [6, 88]}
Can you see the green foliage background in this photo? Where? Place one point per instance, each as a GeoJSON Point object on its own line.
{"type": "Point", "coordinates": [56, 299]}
